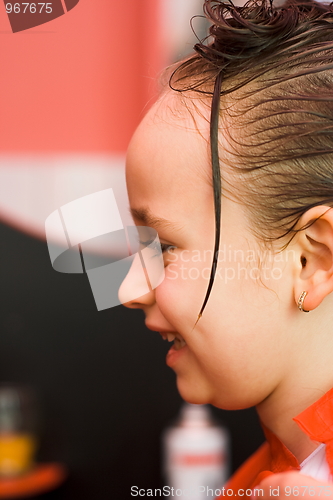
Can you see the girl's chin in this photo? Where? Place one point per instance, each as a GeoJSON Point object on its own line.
{"type": "Point", "coordinates": [191, 393]}
{"type": "Point", "coordinates": [197, 393]}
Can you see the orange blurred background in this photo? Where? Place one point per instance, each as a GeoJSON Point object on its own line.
{"type": "Point", "coordinates": [72, 92]}
{"type": "Point", "coordinates": [80, 82]}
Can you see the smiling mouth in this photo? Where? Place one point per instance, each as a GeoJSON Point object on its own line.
{"type": "Point", "coordinates": [177, 339]}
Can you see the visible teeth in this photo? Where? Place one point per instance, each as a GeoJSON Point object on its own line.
{"type": "Point", "coordinates": [179, 343]}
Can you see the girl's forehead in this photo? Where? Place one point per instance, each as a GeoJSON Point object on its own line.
{"type": "Point", "coordinates": [168, 163]}
{"type": "Point", "coordinates": [182, 110]}
{"type": "Point", "coordinates": [172, 127]}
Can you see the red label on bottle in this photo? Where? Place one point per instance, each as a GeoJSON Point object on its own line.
{"type": "Point", "coordinates": [196, 459]}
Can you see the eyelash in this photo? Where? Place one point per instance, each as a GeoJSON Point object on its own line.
{"type": "Point", "coordinates": [164, 246]}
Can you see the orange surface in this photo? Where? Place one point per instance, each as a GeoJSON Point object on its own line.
{"type": "Point", "coordinates": [16, 453]}
{"type": "Point", "coordinates": [41, 479]}
{"type": "Point", "coordinates": [81, 81]}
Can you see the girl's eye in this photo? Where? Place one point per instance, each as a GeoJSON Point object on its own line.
{"type": "Point", "coordinates": [165, 247]}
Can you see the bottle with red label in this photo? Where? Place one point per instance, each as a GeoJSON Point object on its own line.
{"type": "Point", "coordinates": [196, 455]}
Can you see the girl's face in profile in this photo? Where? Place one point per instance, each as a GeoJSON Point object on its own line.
{"type": "Point", "coordinates": [240, 350]}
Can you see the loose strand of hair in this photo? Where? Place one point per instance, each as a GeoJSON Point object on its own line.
{"type": "Point", "coordinates": [217, 187]}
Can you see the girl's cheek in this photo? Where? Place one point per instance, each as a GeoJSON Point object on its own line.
{"type": "Point", "coordinates": [181, 293]}
{"type": "Point", "coordinates": [171, 272]}
{"type": "Point", "coordinates": [167, 292]}
{"type": "Point", "coordinates": [173, 295]}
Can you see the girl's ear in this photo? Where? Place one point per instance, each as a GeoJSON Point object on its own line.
{"type": "Point", "coordinates": [314, 266]}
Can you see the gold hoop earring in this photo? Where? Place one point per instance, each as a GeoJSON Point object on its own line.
{"type": "Point", "coordinates": [301, 301]}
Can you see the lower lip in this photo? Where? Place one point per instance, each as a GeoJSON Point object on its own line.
{"type": "Point", "coordinates": [173, 355]}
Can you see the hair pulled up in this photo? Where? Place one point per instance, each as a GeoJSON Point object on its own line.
{"type": "Point", "coordinates": [268, 71]}
{"type": "Point", "coordinates": [256, 34]}
{"type": "Point", "coordinates": [277, 62]}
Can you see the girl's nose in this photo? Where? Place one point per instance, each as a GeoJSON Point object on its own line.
{"type": "Point", "coordinates": [135, 291]}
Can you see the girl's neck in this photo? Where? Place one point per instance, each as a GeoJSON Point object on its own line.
{"type": "Point", "coordinates": [277, 412]}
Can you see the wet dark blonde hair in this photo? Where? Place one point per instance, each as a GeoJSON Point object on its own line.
{"type": "Point", "coordinates": [268, 72]}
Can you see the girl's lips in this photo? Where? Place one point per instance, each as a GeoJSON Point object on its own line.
{"type": "Point", "coordinates": [174, 355]}
{"type": "Point", "coordinates": [179, 346]}
{"type": "Point", "coordinates": [156, 328]}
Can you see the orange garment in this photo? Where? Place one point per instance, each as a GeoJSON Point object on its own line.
{"type": "Point", "coordinates": [273, 456]}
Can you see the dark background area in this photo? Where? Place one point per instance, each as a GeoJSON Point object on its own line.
{"type": "Point", "coordinates": [105, 392]}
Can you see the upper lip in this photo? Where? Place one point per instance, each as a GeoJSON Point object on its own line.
{"type": "Point", "coordinates": [159, 329]}
{"type": "Point", "coordinates": [162, 331]}
{"type": "Point", "coordinates": [165, 333]}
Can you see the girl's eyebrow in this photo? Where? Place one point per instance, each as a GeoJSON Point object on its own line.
{"type": "Point", "coordinates": [143, 214]}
